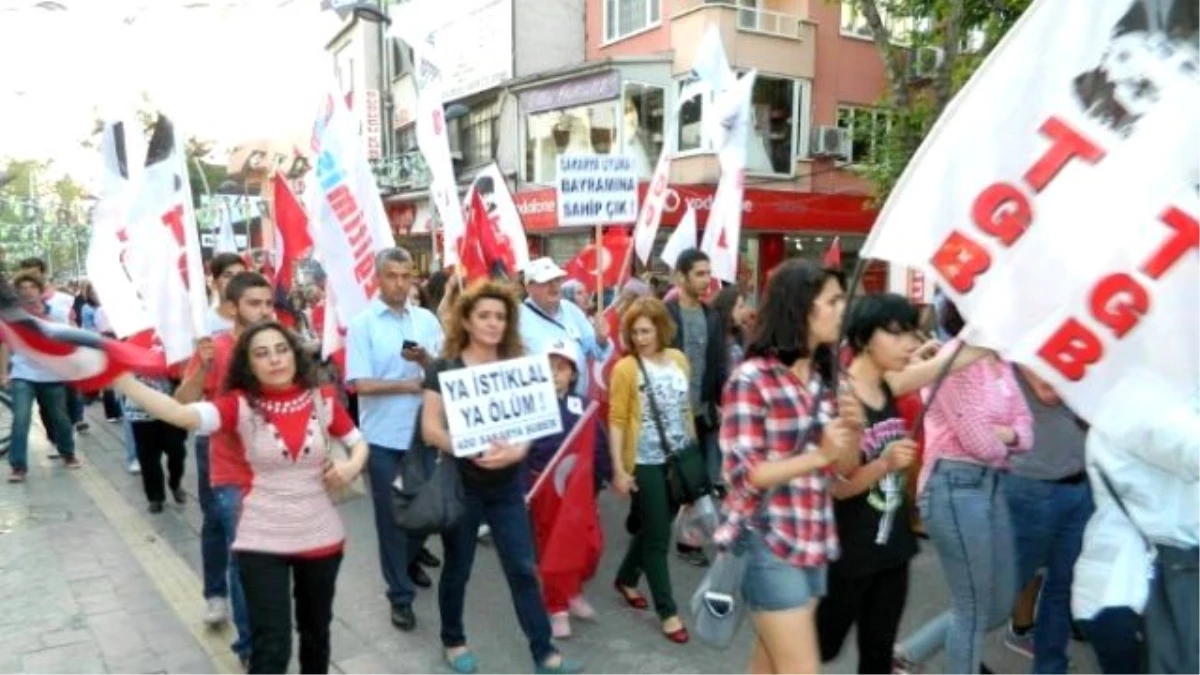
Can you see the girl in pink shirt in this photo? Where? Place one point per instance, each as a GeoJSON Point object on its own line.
{"type": "Point", "coordinates": [976, 421]}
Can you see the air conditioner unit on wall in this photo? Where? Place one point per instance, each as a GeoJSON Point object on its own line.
{"type": "Point", "coordinates": [925, 62]}
{"type": "Point", "coordinates": [832, 142]}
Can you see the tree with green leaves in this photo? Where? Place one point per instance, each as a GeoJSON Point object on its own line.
{"type": "Point", "coordinates": [930, 48]}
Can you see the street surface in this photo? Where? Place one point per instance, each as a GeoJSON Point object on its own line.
{"type": "Point", "coordinates": [90, 582]}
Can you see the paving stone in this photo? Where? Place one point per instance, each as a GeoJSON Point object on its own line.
{"type": "Point", "coordinates": [66, 637]}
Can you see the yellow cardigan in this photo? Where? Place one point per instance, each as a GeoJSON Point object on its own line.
{"type": "Point", "coordinates": [625, 404]}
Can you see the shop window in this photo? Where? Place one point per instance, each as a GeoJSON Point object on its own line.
{"type": "Point", "coordinates": [867, 127]}
{"type": "Point", "coordinates": [626, 17]}
{"type": "Point", "coordinates": [643, 132]}
{"type": "Point", "coordinates": [588, 129]}
{"type": "Point", "coordinates": [477, 135]}
{"type": "Point", "coordinates": [691, 114]}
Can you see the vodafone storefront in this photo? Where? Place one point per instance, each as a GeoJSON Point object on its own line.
{"type": "Point", "coordinates": [776, 225]}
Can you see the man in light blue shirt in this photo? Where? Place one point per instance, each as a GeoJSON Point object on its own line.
{"type": "Point", "coordinates": [30, 381]}
{"type": "Point", "coordinates": [546, 319]}
{"type": "Point", "coordinates": [388, 347]}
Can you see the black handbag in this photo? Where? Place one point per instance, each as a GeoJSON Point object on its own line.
{"type": "Point", "coordinates": [687, 472]}
{"type": "Point", "coordinates": [427, 497]}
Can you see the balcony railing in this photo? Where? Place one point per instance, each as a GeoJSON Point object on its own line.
{"type": "Point", "coordinates": [403, 171]}
{"type": "Point", "coordinates": [754, 19]}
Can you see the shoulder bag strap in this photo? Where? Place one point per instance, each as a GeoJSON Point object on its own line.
{"type": "Point", "coordinates": [654, 411]}
{"type": "Point", "coordinates": [538, 310]}
{"type": "Point", "coordinates": [1124, 509]}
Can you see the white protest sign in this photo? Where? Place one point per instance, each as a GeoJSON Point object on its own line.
{"type": "Point", "coordinates": [594, 189]}
{"type": "Point", "coordinates": [511, 400]}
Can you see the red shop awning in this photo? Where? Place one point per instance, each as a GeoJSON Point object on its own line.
{"type": "Point", "coordinates": [762, 209]}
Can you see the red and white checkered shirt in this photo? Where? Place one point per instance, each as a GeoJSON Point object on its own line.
{"type": "Point", "coordinates": [765, 414]}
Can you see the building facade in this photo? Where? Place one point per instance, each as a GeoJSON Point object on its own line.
{"type": "Point", "coordinates": [531, 80]}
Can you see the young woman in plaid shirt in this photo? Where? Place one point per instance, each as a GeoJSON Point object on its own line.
{"type": "Point", "coordinates": [779, 505]}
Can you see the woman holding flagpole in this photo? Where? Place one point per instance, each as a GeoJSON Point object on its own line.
{"type": "Point", "coordinates": [481, 329]}
{"type": "Point", "coordinates": [290, 535]}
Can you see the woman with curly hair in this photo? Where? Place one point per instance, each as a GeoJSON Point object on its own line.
{"type": "Point", "coordinates": [290, 536]}
{"type": "Point", "coordinates": [482, 328]}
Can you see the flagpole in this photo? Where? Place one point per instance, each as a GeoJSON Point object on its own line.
{"type": "Point", "coordinates": [575, 431]}
{"type": "Point", "coordinates": [599, 268]}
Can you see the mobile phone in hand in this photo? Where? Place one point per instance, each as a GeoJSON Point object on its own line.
{"type": "Point", "coordinates": [409, 344]}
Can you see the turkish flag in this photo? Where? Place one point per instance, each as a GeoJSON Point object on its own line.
{"type": "Point", "coordinates": [472, 255]}
{"type": "Point", "coordinates": [609, 261]}
{"type": "Point", "coordinates": [833, 256]}
{"type": "Point", "coordinates": [291, 228]}
{"type": "Point", "coordinates": [566, 524]}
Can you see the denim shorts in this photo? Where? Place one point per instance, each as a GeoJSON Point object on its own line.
{"type": "Point", "coordinates": [774, 585]}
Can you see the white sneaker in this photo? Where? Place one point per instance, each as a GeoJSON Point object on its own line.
{"type": "Point", "coordinates": [216, 612]}
{"type": "Point", "coordinates": [135, 468]}
{"type": "Point", "coordinates": [580, 608]}
{"type": "Point", "coordinates": [560, 625]}
{"type": "Point", "coordinates": [485, 531]}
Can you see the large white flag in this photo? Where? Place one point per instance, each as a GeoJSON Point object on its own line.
{"type": "Point", "coordinates": [108, 246]}
{"type": "Point", "coordinates": [350, 225]}
{"type": "Point", "coordinates": [1056, 199]}
{"type": "Point", "coordinates": [431, 127]}
{"type": "Point", "coordinates": [723, 231]}
{"type": "Point", "coordinates": [683, 238]}
{"type": "Point", "coordinates": [162, 253]}
{"type": "Point", "coordinates": [224, 240]}
{"type": "Point", "coordinates": [652, 208]}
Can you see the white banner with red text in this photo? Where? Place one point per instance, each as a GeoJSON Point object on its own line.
{"type": "Point", "coordinates": [1052, 203]}
{"type": "Point", "coordinates": [349, 225]}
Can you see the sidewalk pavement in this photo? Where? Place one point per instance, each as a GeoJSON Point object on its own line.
{"type": "Point", "coordinates": [91, 582]}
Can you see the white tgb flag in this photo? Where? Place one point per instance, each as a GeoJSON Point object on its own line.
{"type": "Point", "coordinates": [347, 220]}
{"type": "Point", "coordinates": [650, 216]}
{"type": "Point", "coordinates": [107, 249]}
{"type": "Point", "coordinates": [1059, 226]}
{"type": "Point", "coordinates": [431, 127]}
{"type": "Point", "coordinates": [163, 253]}
{"type": "Point", "coordinates": [224, 240]}
{"type": "Point", "coordinates": [723, 231]}
{"type": "Point", "coordinates": [683, 238]}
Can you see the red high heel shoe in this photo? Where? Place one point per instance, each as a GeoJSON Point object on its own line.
{"type": "Point", "coordinates": [636, 600]}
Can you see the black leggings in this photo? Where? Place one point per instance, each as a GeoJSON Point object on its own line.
{"type": "Point", "coordinates": [269, 582]}
{"type": "Point", "coordinates": [153, 439]}
{"type": "Point", "coordinates": [875, 603]}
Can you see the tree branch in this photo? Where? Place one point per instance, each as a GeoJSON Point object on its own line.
{"type": "Point", "coordinates": [893, 57]}
{"type": "Point", "coordinates": [944, 84]}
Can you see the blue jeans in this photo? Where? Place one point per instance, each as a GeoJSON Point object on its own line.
{"type": "Point", "coordinates": [966, 515]}
{"type": "Point", "coordinates": [131, 447]}
{"type": "Point", "coordinates": [74, 405]}
{"type": "Point", "coordinates": [1048, 519]}
{"type": "Point", "coordinates": [52, 399]}
{"type": "Point", "coordinates": [503, 507]}
{"type": "Point", "coordinates": [397, 548]}
{"type": "Point", "coordinates": [221, 507]}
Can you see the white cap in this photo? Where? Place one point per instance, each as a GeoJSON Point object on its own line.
{"type": "Point", "coordinates": [543, 270]}
{"type": "Point", "coordinates": [566, 349]}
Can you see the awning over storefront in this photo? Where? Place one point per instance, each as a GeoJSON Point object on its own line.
{"type": "Point", "coordinates": [762, 210]}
